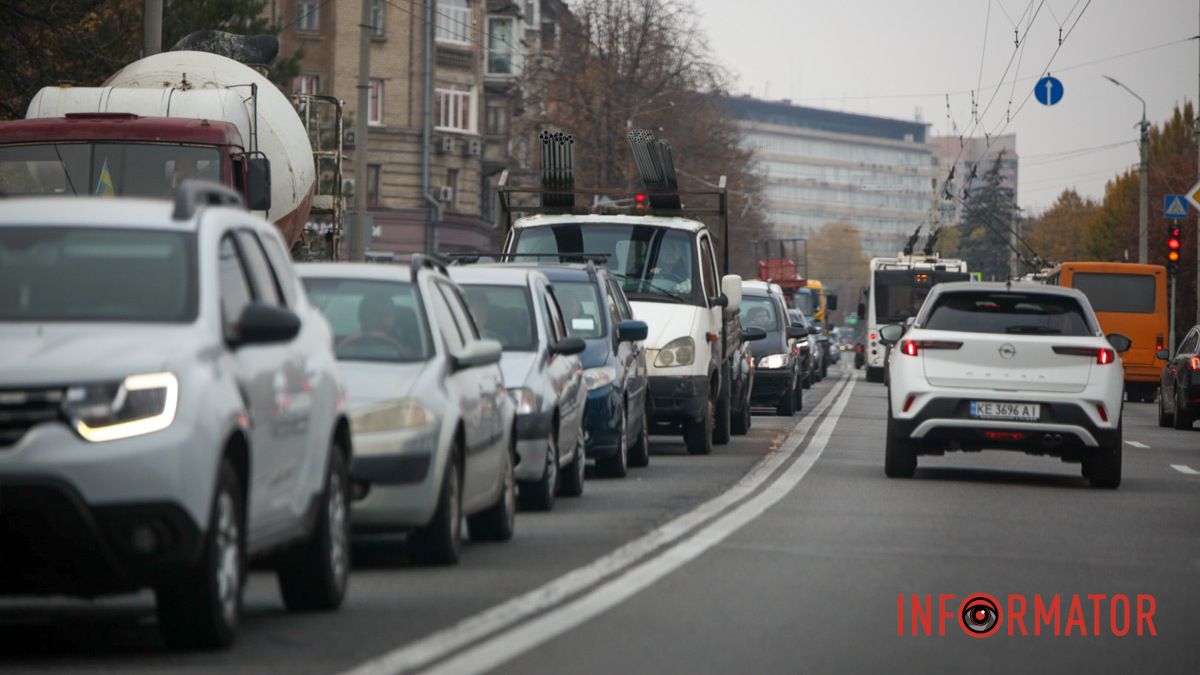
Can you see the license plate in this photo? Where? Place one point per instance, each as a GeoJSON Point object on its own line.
{"type": "Point", "coordinates": [999, 410]}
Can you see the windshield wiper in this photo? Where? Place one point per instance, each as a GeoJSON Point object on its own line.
{"type": "Point", "coordinates": [1033, 330]}
{"type": "Point", "coordinates": [649, 283]}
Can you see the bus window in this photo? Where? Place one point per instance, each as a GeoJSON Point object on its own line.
{"type": "Point", "coordinates": [1118, 293]}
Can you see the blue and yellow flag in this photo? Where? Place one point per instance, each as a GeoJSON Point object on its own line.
{"type": "Point", "coordinates": [104, 187]}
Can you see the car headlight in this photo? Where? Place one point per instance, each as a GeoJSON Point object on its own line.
{"type": "Point", "coordinates": [137, 405]}
{"type": "Point", "coordinates": [678, 352]}
{"type": "Point", "coordinates": [775, 361]}
{"type": "Point", "coordinates": [393, 416]}
{"type": "Point", "coordinates": [525, 400]}
{"type": "Point", "coordinates": [594, 378]}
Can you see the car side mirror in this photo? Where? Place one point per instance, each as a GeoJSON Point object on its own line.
{"type": "Point", "coordinates": [478, 353]}
{"type": "Point", "coordinates": [568, 346]}
{"type": "Point", "coordinates": [891, 334]}
{"type": "Point", "coordinates": [721, 300]}
{"type": "Point", "coordinates": [752, 333]}
{"type": "Point", "coordinates": [813, 330]}
{"type": "Point", "coordinates": [258, 183]}
{"type": "Point", "coordinates": [262, 324]}
{"type": "Point", "coordinates": [631, 330]}
{"type": "Point", "coordinates": [731, 288]}
{"type": "Point", "coordinates": [1121, 343]}
{"type": "Point", "coordinates": [1163, 355]}
{"type": "Point", "coordinates": [796, 332]}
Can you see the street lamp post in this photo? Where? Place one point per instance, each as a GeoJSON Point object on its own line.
{"type": "Point", "coordinates": [1144, 169]}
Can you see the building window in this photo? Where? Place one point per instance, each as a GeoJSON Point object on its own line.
{"type": "Point", "coordinates": [497, 120]}
{"type": "Point", "coordinates": [306, 84]}
{"type": "Point", "coordinates": [375, 103]}
{"type": "Point", "coordinates": [373, 186]}
{"type": "Point", "coordinates": [452, 183]}
{"type": "Point", "coordinates": [377, 18]}
{"type": "Point", "coordinates": [454, 22]}
{"type": "Point", "coordinates": [501, 50]}
{"type": "Point", "coordinates": [454, 107]}
{"type": "Point", "coordinates": [549, 35]}
{"type": "Point", "coordinates": [308, 15]}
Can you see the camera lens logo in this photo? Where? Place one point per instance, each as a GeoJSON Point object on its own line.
{"type": "Point", "coordinates": [979, 615]}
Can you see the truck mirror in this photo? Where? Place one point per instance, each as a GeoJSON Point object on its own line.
{"type": "Point", "coordinates": [258, 183]}
{"type": "Point", "coordinates": [831, 301]}
{"type": "Point", "coordinates": [731, 287]}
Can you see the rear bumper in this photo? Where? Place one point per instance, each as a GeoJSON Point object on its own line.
{"type": "Point", "coordinates": [1136, 372]}
{"type": "Point", "coordinates": [1064, 429]}
{"type": "Point", "coordinates": [53, 542]}
{"type": "Point", "coordinates": [678, 399]}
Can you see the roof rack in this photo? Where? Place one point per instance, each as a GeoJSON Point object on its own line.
{"type": "Point", "coordinates": [507, 192]}
{"type": "Point", "coordinates": [501, 257]}
{"type": "Point", "coordinates": [420, 261]}
{"type": "Point", "coordinates": [194, 193]}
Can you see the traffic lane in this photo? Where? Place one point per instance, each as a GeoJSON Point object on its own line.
{"type": "Point", "coordinates": [1166, 446]}
{"type": "Point", "coordinates": [812, 585]}
{"type": "Point", "coordinates": [390, 601]}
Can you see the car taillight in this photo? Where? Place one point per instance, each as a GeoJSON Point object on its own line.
{"type": "Point", "coordinates": [908, 402]}
{"type": "Point", "coordinates": [914, 347]}
{"type": "Point", "coordinates": [872, 337]}
{"type": "Point", "coordinates": [1158, 343]}
{"type": "Point", "coordinates": [1103, 413]}
{"type": "Point", "coordinates": [1103, 355]}
{"type": "Point", "coordinates": [1194, 363]}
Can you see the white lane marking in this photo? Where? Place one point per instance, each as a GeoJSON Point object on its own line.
{"type": "Point", "coordinates": [1137, 444]}
{"type": "Point", "coordinates": [512, 643]}
{"type": "Point", "coordinates": [1184, 468]}
{"type": "Point", "coordinates": [437, 645]}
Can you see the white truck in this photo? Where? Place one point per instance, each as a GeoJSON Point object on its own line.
{"type": "Point", "coordinates": [666, 259]}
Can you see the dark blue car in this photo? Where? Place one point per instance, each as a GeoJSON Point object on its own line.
{"type": "Point", "coordinates": [614, 365]}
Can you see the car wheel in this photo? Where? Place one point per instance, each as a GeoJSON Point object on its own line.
{"type": "Point", "coordinates": [316, 579]}
{"type": "Point", "coordinates": [440, 542]}
{"type": "Point", "coordinates": [639, 454]}
{"type": "Point", "coordinates": [1182, 417]}
{"type": "Point", "coordinates": [498, 521]}
{"type": "Point", "coordinates": [538, 495]}
{"type": "Point", "coordinates": [740, 424]}
{"type": "Point", "coordinates": [1165, 419]}
{"type": "Point", "coordinates": [900, 454]}
{"type": "Point", "coordinates": [202, 607]}
{"type": "Point", "coordinates": [572, 478]}
{"type": "Point", "coordinates": [1102, 467]}
{"type": "Point", "coordinates": [615, 466]}
{"type": "Point", "coordinates": [787, 404]}
{"type": "Point", "coordinates": [798, 392]}
{"type": "Point", "coordinates": [697, 434]}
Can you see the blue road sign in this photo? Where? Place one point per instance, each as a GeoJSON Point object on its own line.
{"type": "Point", "coordinates": [1048, 90]}
{"type": "Point", "coordinates": [1175, 206]}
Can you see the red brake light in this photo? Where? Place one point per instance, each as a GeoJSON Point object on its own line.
{"type": "Point", "coordinates": [909, 347]}
{"type": "Point", "coordinates": [639, 199]}
{"type": "Point", "coordinates": [1103, 413]}
{"type": "Point", "coordinates": [908, 402]}
{"type": "Point", "coordinates": [872, 336]}
{"type": "Point", "coordinates": [913, 347]}
{"type": "Point", "coordinates": [1194, 363]}
{"type": "Point", "coordinates": [1103, 355]}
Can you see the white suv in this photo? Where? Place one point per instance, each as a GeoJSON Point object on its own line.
{"type": "Point", "coordinates": [1010, 367]}
{"type": "Point", "coordinates": [169, 408]}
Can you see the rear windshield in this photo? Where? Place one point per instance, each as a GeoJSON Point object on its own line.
{"type": "Point", "coordinates": [1123, 293]}
{"type": "Point", "coordinates": [1010, 313]}
{"type": "Point", "coordinates": [504, 314]}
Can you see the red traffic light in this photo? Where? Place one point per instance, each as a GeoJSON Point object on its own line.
{"type": "Point", "coordinates": [1173, 244]}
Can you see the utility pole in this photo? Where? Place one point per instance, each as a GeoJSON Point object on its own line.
{"type": "Point", "coordinates": [1196, 109]}
{"type": "Point", "coordinates": [1144, 172]}
{"type": "Point", "coordinates": [152, 15]}
{"type": "Point", "coordinates": [358, 233]}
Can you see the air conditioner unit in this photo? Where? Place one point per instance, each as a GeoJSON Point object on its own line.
{"type": "Point", "coordinates": [446, 146]}
{"type": "Point", "coordinates": [473, 148]}
{"type": "Point", "coordinates": [446, 193]}
{"type": "Point", "coordinates": [347, 186]}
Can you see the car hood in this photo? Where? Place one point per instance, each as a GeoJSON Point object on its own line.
{"type": "Point", "coordinates": [666, 321]}
{"type": "Point", "coordinates": [597, 353]}
{"type": "Point", "coordinates": [370, 382]}
{"type": "Point", "coordinates": [49, 354]}
{"type": "Point", "coordinates": [516, 367]}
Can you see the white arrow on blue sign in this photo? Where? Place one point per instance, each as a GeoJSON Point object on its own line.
{"type": "Point", "coordinates": [1175, 206]}
{"type": "Point", "coordinates": [1048, 90]}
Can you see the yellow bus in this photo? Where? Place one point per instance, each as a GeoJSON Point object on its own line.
{"type": "Point", "coordinates": [1130, 299]}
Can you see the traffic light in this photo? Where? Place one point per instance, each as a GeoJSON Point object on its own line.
{"type": "Point", "coordinates": [1174, 245]}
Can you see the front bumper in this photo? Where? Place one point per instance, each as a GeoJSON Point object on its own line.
{"type": "Point", "coordinates": [771, 385]}
{"type": "Point", "coordinates": [400, 473]}
{"type": "Point", "coordinates": [677, 399]}
{"type": "Point", "coordinates": [54, 542]}
{"type": "Point", "coordinates": [1064, 429]}
{"type": "Point", "coordinates": [602, 422]}
{"type": "Point", "coordinates": [533, 441]}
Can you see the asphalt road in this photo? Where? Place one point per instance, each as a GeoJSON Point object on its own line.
{"type": "Point", "coordinates": [782, 552]}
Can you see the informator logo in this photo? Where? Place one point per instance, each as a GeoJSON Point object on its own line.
{"type": "Point", "coordinates": [980, 615]}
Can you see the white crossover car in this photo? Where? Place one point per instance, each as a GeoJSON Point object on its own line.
{"type": "Point", "coordinates": [1010, 367]}
{"type": "Point", "coordinates": [431, 420]}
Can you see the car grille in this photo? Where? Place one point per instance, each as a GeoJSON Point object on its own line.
{"type": "Point", "coordinates": [21, 409]}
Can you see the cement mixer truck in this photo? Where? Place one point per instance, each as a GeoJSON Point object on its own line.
{"type": "Point", "coordinates": [163, 118]}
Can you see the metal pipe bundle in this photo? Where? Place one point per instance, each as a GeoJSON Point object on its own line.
{"type": "Point", "coordinates": [558, 168]}
{"type": "Point", "coordinates": [656, 167]}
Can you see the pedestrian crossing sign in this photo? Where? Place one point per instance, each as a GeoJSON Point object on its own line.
{"type": "Point", "coordinates": [1175, 206]}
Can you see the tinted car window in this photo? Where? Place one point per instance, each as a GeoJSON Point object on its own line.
{"type": "Point", "coordinates": [266, 289]}
{"type": "Point", "coordinates": [447, 324]}
{"type": "Point", "coordinates": [1190, 343]}
{"type": "Point", "coordinates": [372, 320]}
{"type": "Point", "coordinates": [282, 265]}
{"type": "Point", "coordinates": [622, 305]}
{"type": "Point", "coordinates": [1125, 293]}
{"type": "Point", "coordinates": [235, 286]}
{"type": "Point", "coordinates": [1009, 313]}
{"type": "Point", "coordinates": [504, 314]}
{"type": "Point", "coordinates": [94, 274]}
{"type": "Point", "coordinates": [580, 304]}
{"type": "Point", "coordinates": [759, 312]}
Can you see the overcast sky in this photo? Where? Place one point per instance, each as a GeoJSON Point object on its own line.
{"type": "Point", "coordinates": [898, 58]}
